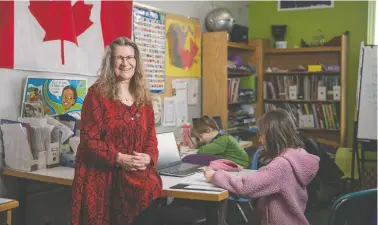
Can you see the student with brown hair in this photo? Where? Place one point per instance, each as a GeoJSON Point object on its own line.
{"type": "Point", "coordinates": [280, 185]}
{"type": "Point", "coordinates": [216, 142]}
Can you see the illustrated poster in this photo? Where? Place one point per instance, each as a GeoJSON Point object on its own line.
{"type": "Point", "coordinates": [183, 46]}
{"type": "Point", "coordinates": [57, 96]}
{"type": "Point", "coordinates": [149, 35]}
{"type": "Point", "coordinates": [156, 102]}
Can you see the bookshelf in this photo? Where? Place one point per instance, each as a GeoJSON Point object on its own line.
{"type": "Point", "coordinates": [218, 96]}
{"type": "Point", "coordinates": [317, 100]}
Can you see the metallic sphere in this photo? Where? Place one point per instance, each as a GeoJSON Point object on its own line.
{"type": "Point", "coordinates": [220, 19]}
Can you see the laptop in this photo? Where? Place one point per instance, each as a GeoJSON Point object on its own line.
{"type": "Point", "coordinates": [169, 161]}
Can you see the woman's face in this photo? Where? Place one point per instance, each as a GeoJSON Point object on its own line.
{"type": "Point", "coordinates": [124, 62]}
{"type": "Point", "coordinates": [68, 99]}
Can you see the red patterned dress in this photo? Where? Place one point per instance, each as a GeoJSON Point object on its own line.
{"type": "Point", "coordinates": [102, 192]}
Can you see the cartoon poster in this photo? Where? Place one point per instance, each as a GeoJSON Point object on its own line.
{"type": "Point", "coordinates": [183, 45]}
{"type": "Point", "coordinates": [57, 96]}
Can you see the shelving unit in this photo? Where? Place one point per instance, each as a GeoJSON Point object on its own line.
{"type": "Point", "coordinates": [215, 52]}
{"type": "Point", "coordinates": [329, 114]}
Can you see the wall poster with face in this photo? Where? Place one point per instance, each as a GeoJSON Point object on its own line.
{"type": "Point", "coordinates": [49, 96]}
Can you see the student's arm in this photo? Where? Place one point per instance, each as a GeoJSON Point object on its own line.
{"type": "Point", "coordinates": [266, 181]}
{"type": "Point", "coordinates": [150, 146]}
{"type": "Point", "coordinates": [218, 146]}
{"type": "Point", "coordinates": [91, 142]}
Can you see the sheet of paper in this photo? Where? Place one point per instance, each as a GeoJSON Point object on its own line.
{"type": "Point", "coordinates": [156, 102]}
{"type": "Point", "coordinates": [181, 111]}
{"type": "Point", "coordinates": [193, 91]}
{"type": "Point", "coordinates": [180, 87]}
{"type": "Point", "coordinates": [197, 179]}
{"type": "Point", "coordinates": [169, 112]}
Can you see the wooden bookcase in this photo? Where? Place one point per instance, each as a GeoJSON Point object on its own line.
{"type": "Point", "coordinates": [215, 52]}
{"type": "Point", "coordinates": [327, 128]}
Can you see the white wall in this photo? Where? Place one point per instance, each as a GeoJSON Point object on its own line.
{"type": "Point", "coordinates": [11, 84]}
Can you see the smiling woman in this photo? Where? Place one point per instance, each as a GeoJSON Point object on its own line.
{"type": "Point", "coordinates": [116, 181]}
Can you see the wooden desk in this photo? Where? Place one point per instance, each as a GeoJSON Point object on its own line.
{"type": "Point", "coordinates": [8, 205]}
{"type": "Point", "coordinates": [65, 175]}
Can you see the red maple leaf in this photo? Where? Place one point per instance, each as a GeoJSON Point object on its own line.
{"type": "Point", "coordinates": [61, 21]}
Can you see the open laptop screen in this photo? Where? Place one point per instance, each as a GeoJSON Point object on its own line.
{"type": "Point", "coordinates": [168, 151]}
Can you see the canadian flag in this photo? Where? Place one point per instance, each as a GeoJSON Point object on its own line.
{"type": "Point", "coordinates": [60, 36]}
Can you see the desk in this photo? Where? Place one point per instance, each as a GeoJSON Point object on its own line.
{"type": "Point", "coordinates": [8, 205]}
{"type": "Point", "coordinates": [65, 175]}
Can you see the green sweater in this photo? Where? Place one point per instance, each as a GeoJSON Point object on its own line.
{"type": "Point", "coordinates": [226, 147]}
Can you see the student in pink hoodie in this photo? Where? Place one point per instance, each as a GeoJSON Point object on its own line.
{"type": "Point", "coordinates": [279, 186]}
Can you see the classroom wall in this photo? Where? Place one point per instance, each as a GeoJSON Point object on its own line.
{"type": "Point", "coordinates": [11, 85]}
{"type": "Point", "coordinates": [346, 15]}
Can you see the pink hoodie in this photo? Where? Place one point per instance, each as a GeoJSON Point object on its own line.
{"type": "Point", "coordinates": [280, 186]}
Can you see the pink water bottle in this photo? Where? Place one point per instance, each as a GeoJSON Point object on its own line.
{"type": "Point", "coordinates": [185, 132]}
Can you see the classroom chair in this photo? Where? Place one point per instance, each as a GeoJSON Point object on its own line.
{"type": "Point", "coordinates": [357, 208]}
{"type": "Point", "coordinates": [237, 200]}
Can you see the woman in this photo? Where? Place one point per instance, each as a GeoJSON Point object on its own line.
{"type": "Point", "coordinates": [115, 177]}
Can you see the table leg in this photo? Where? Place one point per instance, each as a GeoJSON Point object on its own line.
{"type": "Point", "coordinates": [21, 214]}
{"type": "Point", "coordinates": [216, 213]}
{"type": "Point", "coordinates": [9, 217]}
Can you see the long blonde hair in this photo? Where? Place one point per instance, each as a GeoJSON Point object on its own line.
{"type": "Point", "coordinates": [107, 81]}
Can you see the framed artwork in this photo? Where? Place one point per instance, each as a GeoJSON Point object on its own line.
{"type": "Point", "coordinates": [53, 96]}
{"type": "Point", "coordinates": [303, 5]}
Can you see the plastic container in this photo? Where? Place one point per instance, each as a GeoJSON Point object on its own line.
{"type": "Point", "coordinates": [185, 134]}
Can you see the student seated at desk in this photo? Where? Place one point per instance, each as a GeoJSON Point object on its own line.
{"type": "Point", "coordinates": [216, 142]}
{"type": "Point", "coordinates": [280, 185]}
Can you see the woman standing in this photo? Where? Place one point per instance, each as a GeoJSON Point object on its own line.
{"type": "Point", "coordinates": [115, 177]}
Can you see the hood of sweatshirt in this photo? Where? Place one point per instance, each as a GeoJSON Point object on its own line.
{"type": "Point", "coordinates": [304, 165]}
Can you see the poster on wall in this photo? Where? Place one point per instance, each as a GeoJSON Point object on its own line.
{"type": "Point", "coordinates": [301, 5]}
{"type": "Point", "coordinates": [149, 35]}
{"type": "Point", "coordinates": [157, 105]}
{"type": "Point", "coordinates": [183, 46]}
{"type": "Point", "coordinates": [53, 96]}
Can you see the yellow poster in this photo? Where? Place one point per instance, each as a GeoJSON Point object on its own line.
{"type": "Point", "coordinates": [183, 46]}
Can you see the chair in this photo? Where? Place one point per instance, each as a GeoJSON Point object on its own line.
{"type": "Point", "coordinates": [237, 200]}
{"type": "Point", "coordinates": [356, 208]}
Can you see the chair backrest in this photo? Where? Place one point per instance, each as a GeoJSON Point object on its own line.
{"type": "Point", "coordinates": [255, 159]}
{"type": "Point", "coordinates": [358, 208]}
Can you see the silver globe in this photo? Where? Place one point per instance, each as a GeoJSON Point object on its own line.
{"type": "Point", "coordinates": [219, 19]}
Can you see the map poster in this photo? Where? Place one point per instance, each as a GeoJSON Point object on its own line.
{"type": "Point", "coordinates": [183, 46]}
{"type": "Point", "coordinates": [57, 96]}
{"type": "Point", "coordinates": [148, 34]}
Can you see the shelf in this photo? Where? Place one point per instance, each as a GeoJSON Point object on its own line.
{"type": "Point", "coordinates": [242, 103]}
{"type": "Point", "coordinates": [240, 74]}
{"type": "Point", "coordinates": [240, 46]}
{"type": "Point", "coordinates": [301, 101]}
{"type": "Point", "coordinates": [303, 50]}
{"type": "Point", "coordinates": [296, 73]}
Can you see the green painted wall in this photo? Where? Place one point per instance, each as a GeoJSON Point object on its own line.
{"type": "Point", "coordinates": [347, 15]}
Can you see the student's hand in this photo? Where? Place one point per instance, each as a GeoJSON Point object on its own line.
{"type": "Point", "coordinates": [208, 173]}
{"type": "Point", "coordinates": [141, 160]}
{"type": "Point", "coordinates": [126, 161]}
{"type": "Point", "coordinates": [192, 145]}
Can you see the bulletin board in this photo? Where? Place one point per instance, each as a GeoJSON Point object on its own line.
{"type": "Point", "coordinates": [155, 31]}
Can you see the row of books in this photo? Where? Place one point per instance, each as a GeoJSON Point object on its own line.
{"type": "Point", "coordinates": [317, 115]}
{"type": "Point", "coordinates": [302, 87]}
